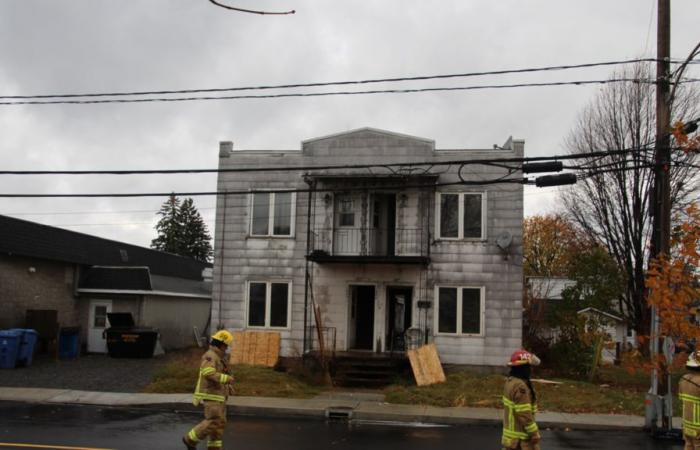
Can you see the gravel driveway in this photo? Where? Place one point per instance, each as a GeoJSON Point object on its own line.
{"type": "Point", "coordinates": [88, 373]}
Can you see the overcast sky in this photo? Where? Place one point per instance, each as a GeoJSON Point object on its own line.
{"type": "Point", "coordinates": [79, 46]}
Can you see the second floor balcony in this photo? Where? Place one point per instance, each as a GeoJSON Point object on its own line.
{"type": "Point", "coordinates": [370, 245]}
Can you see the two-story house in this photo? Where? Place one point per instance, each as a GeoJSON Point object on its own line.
{"type": "Point", "coordinates": [377, 251]}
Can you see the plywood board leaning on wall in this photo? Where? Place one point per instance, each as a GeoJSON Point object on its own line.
{"type": "Point", "coordinates": [426, 365]}
{"type": "Point", "coordinates": [257, 348]}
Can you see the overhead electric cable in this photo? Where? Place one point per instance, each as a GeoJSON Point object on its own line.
{"type": "Point", "coordinates": [331, 83]}
{"type": "Point", "coordinates": [332, 93]}
{"type": "Point", "coordinates": [288, 168]}
{"type": "Point", "coordinates": [252, 11]}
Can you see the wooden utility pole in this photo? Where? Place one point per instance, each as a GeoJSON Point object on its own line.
{"type": "Point", "coordinates": [661, 398]}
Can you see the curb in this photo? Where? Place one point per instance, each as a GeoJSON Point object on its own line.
{"type": "Point", "coordinates": [339, 409]}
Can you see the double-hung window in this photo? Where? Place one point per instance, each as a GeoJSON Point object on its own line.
{"type": "Point", "coordinates": [461, 215]}
{"type": "Point", "coordinates": [272, 214]}
{"type": "Point", "coordinates": [269, 304]}
{"type": "Point", "coordinates": [460, 310]}
{"type": "Point", "coordinates": [346, 210]}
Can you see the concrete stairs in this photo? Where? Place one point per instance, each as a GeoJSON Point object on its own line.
{"type": "Point", "coordinates": [368, 370]}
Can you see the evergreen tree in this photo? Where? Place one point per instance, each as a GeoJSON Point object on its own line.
{"type": "Point", "coordinates": [196, 241]}
{"type": "Point", "coordinates": [169, 227]}
{"type": "Point", "coordinates": [182, 231]}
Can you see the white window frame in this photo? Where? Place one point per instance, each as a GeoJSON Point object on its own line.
{"type": "Point", "coordinates": [271, 215]}
{"type": "Point", "coordinates": [482, 309]}
{"type": "Point", "coordinates": [338, 201]}
{"type": "Point", "coordinates": [268, 302]}
{"type": "Point", "coordinates": [460, 215]}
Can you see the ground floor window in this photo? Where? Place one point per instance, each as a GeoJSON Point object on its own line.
{"type": "Point", "coordinates": [460, 310]}
{"type": "Point", "coordinates": [269, 304]}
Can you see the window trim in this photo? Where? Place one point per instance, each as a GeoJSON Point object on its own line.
{"type": "Point", "coordinates": [271, 214]}
{"type": "Point", "coordinates": [482, 309]}
{"type": "Point", "coordinates": [268, 301]}
{"type": "Point", "coordinates": [337, 201]}
{"type": "Point", "coordinates": [460, 216]}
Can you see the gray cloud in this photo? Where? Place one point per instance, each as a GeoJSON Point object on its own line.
{"type": "Point", "coordinates": [100, 45]}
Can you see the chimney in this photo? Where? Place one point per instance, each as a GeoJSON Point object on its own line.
{"type": "Point", "coordinates": [225, 149]}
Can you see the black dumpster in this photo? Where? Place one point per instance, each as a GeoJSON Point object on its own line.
{"type": "Point", "coordinates": [124, 340]}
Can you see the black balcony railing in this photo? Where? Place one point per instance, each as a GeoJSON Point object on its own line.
{"type": "Point", "coordinates": [380, 242]}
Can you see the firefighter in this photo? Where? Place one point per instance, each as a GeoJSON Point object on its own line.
{"type": "Point", "coordinates": [520, 430]}
{"type": "Point", "coordinates": [214, 385]}
{"type": "Point", "coordinates": [689, 393]}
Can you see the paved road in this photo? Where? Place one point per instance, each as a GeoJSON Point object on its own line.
{"type": "Point", "coordinates": [86, 427]}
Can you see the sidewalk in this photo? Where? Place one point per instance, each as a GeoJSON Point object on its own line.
{"type": "Point", "coordinates": [355, 406]}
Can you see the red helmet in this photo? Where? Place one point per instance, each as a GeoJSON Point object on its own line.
{"type": "Point", "coordinates": [522, 357]}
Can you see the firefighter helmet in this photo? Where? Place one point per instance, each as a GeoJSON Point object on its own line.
{"type": "Point", "coordinates": [522, 357]}
{"type": "Point", "coordinates": [693, 360]}
{"type": "Point", "coordinates": [223, 336]}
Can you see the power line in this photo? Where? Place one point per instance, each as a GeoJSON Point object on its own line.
{"type": "Point", "coordinates": [333, 83]}
{"type": "Point", "coordinates": [287, 168]}
{"type": "Point", "coordinates": [252, 11]}
{"type": "Point", "coordinates": [75, 213]}
{"type": "Point", "coordinates": [334, 93]}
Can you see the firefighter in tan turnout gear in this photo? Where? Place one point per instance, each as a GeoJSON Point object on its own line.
{"type": "Point", "coordinates": [214, 385]}
{"type": "Point", "coordinates": [689, 393]}
{"type": "Point", "coordinates": [520, 430]}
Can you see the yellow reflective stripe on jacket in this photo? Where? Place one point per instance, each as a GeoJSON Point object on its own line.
{"type": "Point", "coordinates": [515, 434]}
{"type": "Point", "coordinates": [223, 379]}
{"type": "Point", "coordinates": [201, 395]}
{"type": "Point", "coordinates": [518, 407]}
{"type": "Point", "coordinates": [207, 371]}
{"type": "Point", "coordinates": [509, 429]}
{"type": "Point", "coordinates": [532, 428]}
{"type": "Point", "coordinates": [215, 444]}
{"type": "Point", "coordinates": [691, 404]}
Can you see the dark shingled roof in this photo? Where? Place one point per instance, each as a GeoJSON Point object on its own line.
{"type": "Point", "coordinates": [123, 278]}
{"type": "Point", "coordinates": [21, 237]}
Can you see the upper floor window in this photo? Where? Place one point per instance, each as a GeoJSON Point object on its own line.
{"type": "Point", "coordinates": [272, 214]}
{"type": "Point", "coordinates": [461, 215]}
{"type": "Point", "coordinates": [460, 310]}
{"type": "Point", "coordinates": [346, 211]}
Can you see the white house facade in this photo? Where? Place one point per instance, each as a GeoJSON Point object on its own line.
{"type": "Point", "coordinates": [372, 256]}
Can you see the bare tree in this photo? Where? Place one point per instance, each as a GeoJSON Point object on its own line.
{"type": "Point", "coordinates": [612, 204]}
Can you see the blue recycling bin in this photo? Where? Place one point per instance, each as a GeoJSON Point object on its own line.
{"type": "Point", "coordinates": [69, 343]}
{"type": "Point", "coordinates": [25, 352]}
{"type": "Point", "coordinates": [9, 346]}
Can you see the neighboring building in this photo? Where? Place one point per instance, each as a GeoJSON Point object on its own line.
{"type": "Point", "coordinates": [77, 279]}
{"type": "Point", "coordinates": [621, 338]}
{"type": "Point", "coordinates": [546, 292]}
{"type": "Point", "coordinates": [377, 251]}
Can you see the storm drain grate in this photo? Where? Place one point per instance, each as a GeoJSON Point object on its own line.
{"type": "Point", "coordinates": [339, 413]}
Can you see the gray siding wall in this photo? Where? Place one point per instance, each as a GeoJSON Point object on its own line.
{"type": "Point", "coordinates": [240, 258]}
{"type": "Point", "coordinates": [175, 318]}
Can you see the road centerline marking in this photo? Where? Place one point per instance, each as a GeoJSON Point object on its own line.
{"type": "Point", "coordinates": [57, 447]}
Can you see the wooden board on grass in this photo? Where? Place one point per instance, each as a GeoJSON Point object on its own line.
{"type": "Point", "coordinates": [426, 365]}
{"type": "Point", "coordinates": [257, 348]}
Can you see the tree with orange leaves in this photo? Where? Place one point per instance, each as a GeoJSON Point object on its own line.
{"type": "Point", "coordinates": [674, 281]}
{"type": "Point", "coordinates": [686, 143]}
{"type": "Point", "coordinates": [549, 245]}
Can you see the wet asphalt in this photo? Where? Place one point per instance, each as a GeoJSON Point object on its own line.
{"type": "Point", "coordinates": [137, 429]}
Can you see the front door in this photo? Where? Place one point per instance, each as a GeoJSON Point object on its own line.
{"type": "Point", "coordinates": [383, 225]}
{"type": "Point", "coordinates": [399, 313]}
{"type": "Point", "coordinates": [361, 323]}
{"type": "Point", "coordinates": [97, 325]}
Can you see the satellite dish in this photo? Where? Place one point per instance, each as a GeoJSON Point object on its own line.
{"type": "Point", "coordinates": [504, 240]}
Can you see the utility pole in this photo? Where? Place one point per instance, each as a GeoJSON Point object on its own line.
{"type": "Point", "coordinates": [659, 400]}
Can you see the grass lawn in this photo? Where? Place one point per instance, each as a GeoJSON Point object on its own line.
{"type": "Point", "coordinates": [179, 375]}
{"type": "Point", "coordinates": [617, 392]}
